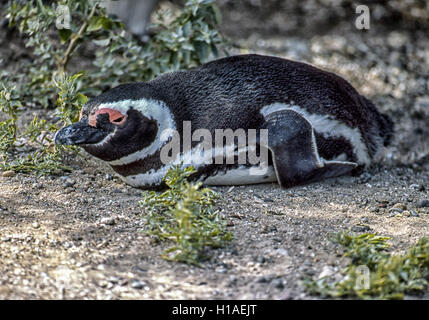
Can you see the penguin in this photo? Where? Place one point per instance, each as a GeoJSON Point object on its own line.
{"type": "Point", "coordinates": [314, 123]}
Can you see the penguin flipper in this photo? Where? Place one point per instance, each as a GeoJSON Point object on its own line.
{"type": "Point", "coordinates": [296, 159]}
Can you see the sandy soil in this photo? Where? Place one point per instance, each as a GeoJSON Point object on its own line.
{"type": "Point", "coordinates": [85, 240]}
{"type": "Point", "coordinates": [80, 235]}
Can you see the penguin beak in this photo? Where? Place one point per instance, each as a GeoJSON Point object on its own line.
{"type": "Point", "coordinates": [79, 133]}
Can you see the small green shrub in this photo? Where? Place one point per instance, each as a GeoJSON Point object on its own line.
{"type": "Point", "coordinates": [38, 154]}
{"type": "Point", "coordinates": [187, 40]}
{"type": "Point", "coordinates": [184, 215]}
{"type": "Point", "coordinates": [391, 276]}
{"type": "Point", "coordinates": [9, 104]}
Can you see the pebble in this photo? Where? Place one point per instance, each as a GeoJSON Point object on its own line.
{"type": "Point", "coordinates": [35, 225]}
{"type": "Point", "coordinates": [113, 279]}
{"type": "Point", "coordinates": [414, 213]}
{"type": "Point", "coordinates": [67, 245]}
{"type": "Point", "coordinates": [326, 272]}
{"type": "Point", "coordinates": [399, 206]}
{"type": "Point", "coordinates": [360, 228]}
{"type": "Point", "coordinates": [221, 270]}
{"type": "Point", "coordinates": [8, 174]}
{"type": "Point", "coordinates": [395, 210]}
{"type": "Point", "coordinates": [108, 221]}
{"type": "Point", "coordinates": [278, 283]}
{"type": "Point", "coordinates": [424, 203]}
{"type": "Point", "coordinates": [68, 183]}
{"type": "Point", "coordinates": [264, 279]}
{"type": "Point", "coordinates": [394, 214]}
{"type": "Point", "coordinates": [261, 259]}
{"type": "Point", "coordinates": [268, 228]}
{"type": "Point", "coordinates": [418, 187]}
{"type": "Point", "coordinates": [382, 205]}
{"type": "Point", "coordinates": [137, 284]}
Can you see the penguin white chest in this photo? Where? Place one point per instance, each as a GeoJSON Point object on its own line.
{"type": "Point", "coordinates": [243, 175]}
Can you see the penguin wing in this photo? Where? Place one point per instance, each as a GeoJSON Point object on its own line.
{"type": "Point", "coordinates": [296, 159]}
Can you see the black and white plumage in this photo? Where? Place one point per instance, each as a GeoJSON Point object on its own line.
{"type": "Point", "coordinates": [319, 126]}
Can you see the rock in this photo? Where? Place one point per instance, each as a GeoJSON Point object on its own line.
{"type": "Point", "coordinates": [383, 203]}
{"type": "Point", "coordinates": [268, 228]}
{"type": "Point", "coordinates": [68, 190]}
{"type": "Point", "coordinates": [360, 228]}
{"type": "Point", "coordinates": [230, 223]}
{"type": "Point", "coordinates": [113, 279]}
{"type": "Point", "coordinates": [418, 187]}
{"type": "Point", "coordinates": [399, 206]}
{"type": "Point", "coordinates": [278, 283]}
{"type": "Point", "coordinates": [395, 210]}
{"type": "Point", "coordinates": [264, 279]}
{"type": "Point", "coordinates": [326, 272]}
{"type": "Point", "coordinates": [374, 209]}
{"type": "Point", "coordinates": [414, 213]}
{"type": "Point", "coordinates": [393, 214]}
{"type": "Point", "coordinates": [35, 225]}
{"type": "Point", "coordinates": [68, 183]}
{"type": "Point", "coordinates": [8, 174]}
{"type": "Point", "coordinates": [308, 263]}
{"type": "Point", "coordinates": [137, 284]}
{"type": "Point", "coordinates": [221, 270]}
{"type": "Point", "coordinates": [110, 221]}
{"type": "Point", "coordinates": [423, 204]}
{"type": "Point", "coordinates": [261, 259]}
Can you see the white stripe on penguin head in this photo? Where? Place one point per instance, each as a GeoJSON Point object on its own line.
{"type": "Point", "coordinates": [152, 109]}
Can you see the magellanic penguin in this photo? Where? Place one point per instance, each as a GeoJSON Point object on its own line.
{"type": "Point", "coordinates": [317, 125]}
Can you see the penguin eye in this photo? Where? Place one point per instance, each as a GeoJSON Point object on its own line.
{"type": "Point", "coordinates": [118, 120]}
{"type": "Point", "coordinates": [115, 116]}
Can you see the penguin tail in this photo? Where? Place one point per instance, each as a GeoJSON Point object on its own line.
{"type": "Point", "coordinates": [385, 123]}
{"type": "Point", "coordinates": [387, 128]}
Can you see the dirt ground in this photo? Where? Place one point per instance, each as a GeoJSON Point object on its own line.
{"type": "Point", "coordinates": [80, 236]}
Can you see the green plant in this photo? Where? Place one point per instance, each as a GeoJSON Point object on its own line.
{"type": "Point", "coordinates": [70, 100]}
{"type": "Point", "coordinates": [185, 41]}
{"type": "Point", "coordinates": [39, 154]}
{"type": "Point", "coordinates": [184, 215]}
{"type": "Point", "coordinates": [390, 275]}
{"type": "Point", "coordinates": [9, 104]}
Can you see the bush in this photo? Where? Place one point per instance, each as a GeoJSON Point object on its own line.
{"type": "Point", "coordinates": [391, 276]}
{"type": "Point", "coordinates": [184, 215]}
{"type": "Point", "coordinates": [180, 42]}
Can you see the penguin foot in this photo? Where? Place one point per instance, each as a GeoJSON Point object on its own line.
{"type": "Point", "coordinates": [292, 143]}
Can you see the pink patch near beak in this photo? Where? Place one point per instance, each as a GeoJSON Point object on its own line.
{"type": "Point", "coordinates": [115, 116]}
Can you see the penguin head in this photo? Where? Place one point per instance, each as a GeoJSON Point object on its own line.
{"type": "Point", "coordinates": [118, 123]}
